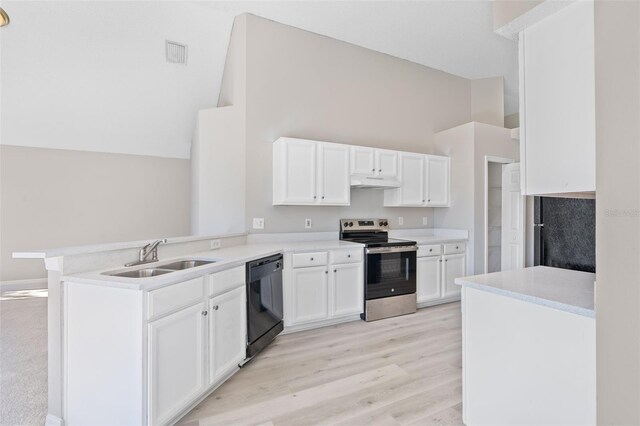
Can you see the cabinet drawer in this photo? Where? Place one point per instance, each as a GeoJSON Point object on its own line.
{"type": "Point", "coordinates": [302, 260]}
{"type": "Point", "coordinates": [429, 250]}
{"type": "Point", "coordinates": [223, 281]}
{"type": "Point", "coordinates": [346, 256]}
{"type": "Point", "coordinates": [167, 299]}
{"type": "Point", "coordinates": [453, 248]}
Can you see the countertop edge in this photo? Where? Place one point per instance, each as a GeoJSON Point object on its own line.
{"type": "Point", "coordinates": [590, 313]}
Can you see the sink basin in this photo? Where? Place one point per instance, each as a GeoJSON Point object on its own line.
{"type": "Point", "coordinates": [186, 264]}
{"type": "Point", "coordinates": [140, 273]}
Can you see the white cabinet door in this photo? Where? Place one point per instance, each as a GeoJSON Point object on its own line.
{"type": "Point", "coordinates": [347, 289]}
{"type": "Point", "coordinates": [386, 163]}
{"type": "Point", "coordinates": [437, 183]}
{"type": "Point", "coordinates": [227, 333]}
{"type": "Point", "coordinates": [557, 102]}
{"type": "Point", "coordinates": [294, 171]}
{"type": "Point", "coordinates": [176, 362]}
{"type": "Point", "coordinates": [429, 278]}
{"type": "Point", "coordinates": [310, 294]}
{"type": "Point", "coordinates": [412, 179]}
{"type": "Point", "coordinates": [453, 266]}
{"type": "Point", "coordinates": [333, 174]}
{"type": "Point", "coordinates": [363, 162]}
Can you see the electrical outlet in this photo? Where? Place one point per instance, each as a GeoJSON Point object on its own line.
{"type": "Point", "coordinates": [425, 220]}
{"type": "Point", "coordinates": [400, 220]}
{"type": "Point", "coordinates": [215, 244]}
{"type": "Point", "coordinates": [258, 223]}
{"type": "Point", "coordinates": [307, 223]}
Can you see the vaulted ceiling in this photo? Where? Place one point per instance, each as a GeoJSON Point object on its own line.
{"type": "Point", "coordinates": [453, 36]}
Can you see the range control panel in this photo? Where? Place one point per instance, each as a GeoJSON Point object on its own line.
{"type": "Point", "coordinates": [364, 224]}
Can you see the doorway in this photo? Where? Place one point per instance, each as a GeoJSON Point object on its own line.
{"type": "Point", "coordinates": [493, 212]}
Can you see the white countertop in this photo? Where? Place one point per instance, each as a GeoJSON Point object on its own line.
{"type": "Point", "coordinates": [434, 239]}
{"type": "Point", "coordinates": [563, 289]}
{"type": "Point", "coordinates": [226, 258]}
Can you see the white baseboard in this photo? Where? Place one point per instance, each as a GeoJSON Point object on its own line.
{"type": "Point", "coordinates": [17, 285]}
{"type": "Point", "coordinates": [53, 421]}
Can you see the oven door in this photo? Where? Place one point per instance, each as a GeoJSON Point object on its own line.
{"type": "Point", "coordinates": [391, 271]}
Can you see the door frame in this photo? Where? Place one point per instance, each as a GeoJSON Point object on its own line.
{"type": "Point", "coordinates": [489, 159]}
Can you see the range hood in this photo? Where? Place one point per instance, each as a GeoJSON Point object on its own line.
{"type": "Point", "coordinates": [374, 182]}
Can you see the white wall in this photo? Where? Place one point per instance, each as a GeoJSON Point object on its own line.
{"type": "Point", "coordinates": [85, 85]}
{"type": "Point", "coordinates": [92, 76]}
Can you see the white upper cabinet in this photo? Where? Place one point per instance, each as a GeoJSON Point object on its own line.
{"type": "Point", "coordinates": [307, 172]}
{"type": "Point", "coordinates": [363, 161]}
{"type": "Point", "coordinates": [310, 173]}
{"type": "Point", "coordinates": [371, 162]}
{"type": "Point", "coordinates": [424, 182]}
{"type": "Point", "coordinates": [333, 174]}
{"type": "Point", "coordinates": [437, 184]}
{"type": "Point", "coordinates": [557, 102]}
{"type": "Point", "coordinates": [386, 163]}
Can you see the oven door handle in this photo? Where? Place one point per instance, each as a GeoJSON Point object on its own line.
{"type": "Point", "coordinates": [398, 249]}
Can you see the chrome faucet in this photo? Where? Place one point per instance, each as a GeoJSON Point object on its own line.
{"type": "Point", "coordinates": [150, 249]}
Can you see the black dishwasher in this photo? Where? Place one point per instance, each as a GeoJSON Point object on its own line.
{"type": "Point", "coordinates": [264, 302]}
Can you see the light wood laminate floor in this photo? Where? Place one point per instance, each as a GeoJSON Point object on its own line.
{"type": "Point", "coordinates": [398, 371]}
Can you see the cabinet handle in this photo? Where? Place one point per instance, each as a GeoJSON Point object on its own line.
{"type": "Point", "coordinates": [205, 313]}
{"type": "Point", "coordinates": [215, 308]}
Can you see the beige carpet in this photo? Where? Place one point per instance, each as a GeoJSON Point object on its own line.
{"type": "Point", "coordinates": [23, 357]}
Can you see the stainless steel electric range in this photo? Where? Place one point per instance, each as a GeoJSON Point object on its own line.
{"type": "Point", "coordinates": [389, 270]}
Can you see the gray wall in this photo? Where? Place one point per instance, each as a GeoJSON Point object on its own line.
{"type": "Point", "coordinates": [301, 84]}
{"type": "Point", "coordinates": [617, 74]}
{"type": "Point", "coordinates": [55, 198]}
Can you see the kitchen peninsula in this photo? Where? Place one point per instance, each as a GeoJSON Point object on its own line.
{"type": "Point", "coordinates": [529, 347]}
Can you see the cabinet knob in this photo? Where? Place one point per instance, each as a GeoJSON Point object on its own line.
{"type": "Point", "coordinates": [205, 313]}
{"type": "Point", "coordinates": [348, 255]}
{"type": "Point", "coordinates": [311, 259]}
{"type": "Point", "coordinates": [423, 201]}
{"type": "Point", "coordinates": [430, 249]}
{"type": "Point", "coordinates": [457, 247]}
{"type": "Point", "coordinates": [446, 260]}
{"type": "Point", "coordinates": [429, 200]}
{"type": "Point", "coordinates": [314, 197]}
{"type": "Point", "coordinates": [373, 170]}
{"type": "Point", "coordinates": [380, 170]}
{"type": "Point", "coordinates": [326, 272]}
{"type": "Point", "coordinates": [323, 197]}
{"type": "Point", "coordinates": [335, 270]}
{"type": "Point", "coordinates": [215, 308]}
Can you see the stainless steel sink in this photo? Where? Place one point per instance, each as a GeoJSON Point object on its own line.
{"type": "Point", "coordinates": [186, 264]}
{"type": "Point", "coordinates": [140, 273]}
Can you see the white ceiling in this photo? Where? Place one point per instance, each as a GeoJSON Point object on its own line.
{"type": "Point", "coordinates": [453, 36]}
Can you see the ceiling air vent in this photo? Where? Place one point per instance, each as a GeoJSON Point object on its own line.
{"type": "Point", "coordinates": [176, 52]}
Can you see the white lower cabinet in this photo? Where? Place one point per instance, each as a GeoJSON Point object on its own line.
{"type": "Point", "coordinates": [227, 333]}
{"type": "Point", "coordinates": [328, 292]}
{"type": "Point", "coordinates": [176, 362]}
{"type": "Point", "coordinates": [347, 289]}
{"type": "Point", "coordinates": [429, 278]}
{"type": "Point", "coordinates": [436, 274]}
{"type": "Point", "coordinates": [310, 294]}
{"type": "Point", "coordinates": [453, 266]}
